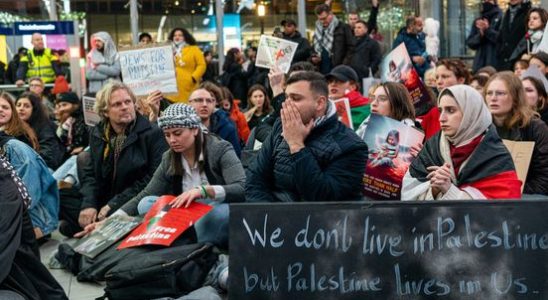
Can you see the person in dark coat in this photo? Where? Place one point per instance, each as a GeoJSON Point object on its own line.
{"type": "Point", "coordinates": [212, 67]}
{"type": "Point", "coordinates": [290, 33]}
{"type": "Point", "coordinates": [13, 65]}
{"type": "Point", "coordinates": [368, 52]}
{"type": "Point", "coordinates": [125, 150]}
{"type": "Point", "coordinates": [236, 77]}
{"type": "Point", "coordinates": [483, 36]}
{"type": "Point", "coordinates": [516, 121]}
{"type": "Point", "coordinates": [316, 159]}
{"type": "Point", "coordinates": [22, 274]}
{"type": "Point", "coordinates": [31, 110]}
{"type": "Point", "coordinates": [512, 29]}
{"type": "Point", "coordinates": [414, 39]}
{"type": "Point", "coordinates": [334, 42]}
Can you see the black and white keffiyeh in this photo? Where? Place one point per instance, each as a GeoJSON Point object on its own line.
{"type": "Point", "coordinates": [323, 36]}
{"type": "Point", "coordinates": [179, 115]}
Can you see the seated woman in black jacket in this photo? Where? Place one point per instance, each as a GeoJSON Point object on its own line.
{"type": "Point", "coordinates": [516, 121]}
{"type": "Point", "coordinates": [31, 110]}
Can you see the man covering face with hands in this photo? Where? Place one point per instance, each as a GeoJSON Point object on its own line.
{"type": "Point", "coordinates": [310, 155]}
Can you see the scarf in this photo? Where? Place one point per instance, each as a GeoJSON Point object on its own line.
{"type": "Point", "coordinates": [323, 36]}
{"type": "Point", "coordinates": [331, 111]}
{"type": "Point", "coordinates": [460, 154]}
{"type": "Point", "coordinates": [476, 116]}
{"type": "Point", "coordinates": [533, 39]}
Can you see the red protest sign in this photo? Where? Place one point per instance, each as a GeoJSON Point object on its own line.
{"type": "Point", "coordinates": [163, 224]}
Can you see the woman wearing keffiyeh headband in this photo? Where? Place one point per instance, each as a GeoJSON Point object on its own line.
{"type": "Point", "coordinates": [197, 167]}
{"type": "Point", "coordinates": [466, 159]}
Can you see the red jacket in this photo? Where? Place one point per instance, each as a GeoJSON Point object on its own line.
{"type": "Point", "coordinates": [239, 119]}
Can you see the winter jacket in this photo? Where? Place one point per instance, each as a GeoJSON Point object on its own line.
{"type": "Point", "coordinates": [485, 46]}
{"type": "Point", "coordinates": [11, 72]}
{"type": "Point", "coordinates": [416, 46]}
{"type": "Point", "coordinates": [51, 148]}
{"type": "Point", "coordinates": [537, 176]}
{"type": "Point", "coordinates": [304, 50]}
{"type": "Point", "coordinates": [190, 66]}
{"type": "Point", "coordinates": [237, 84]}
{"type": "Point", "coordinates": [20, 268]}
{"type": "Point", "coordinates": [510, 35]}
{"type": "Point", "coordinates": [488, 173]}
{"type": "Point", "coordinates": [344, 45]}
{"type": "Point", "coordinates": [99, 75]}
{"type": "Point", "coordinates": [366, 56]}
{"type": "Point", "coordinates": [41, 186]}
{"type": "Point", "coordinates": [221, 167]}
{"type": "Point", "coordinates": [40, 63]}
{"type": "Point", "coordinates": [222, 125]}
{"type": "Point", "coordinates": [329, 168]}
{"type": "Point", "coordinates": [105, 183]}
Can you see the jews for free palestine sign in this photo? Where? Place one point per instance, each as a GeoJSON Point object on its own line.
{"type": "Point", "coordinates": [389, 250]}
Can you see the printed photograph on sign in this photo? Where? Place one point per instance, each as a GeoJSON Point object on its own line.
{"type": "Point", "coordinates": [274, 51]}
{"type": "Point", "coordinates": [147, 69]}
{"type": "Point", "coordinates": [113, 229]}
{"type": "Point", "coordinates": [91, 118]}
{"type": "Point", "coordinates": [389, 142]}
{"type": "Point", "coordinates": [343, 111]}
{"type": "Point", "coordinates": [397, 67]}
{"type": "Point", "coordinates": [163, 224]}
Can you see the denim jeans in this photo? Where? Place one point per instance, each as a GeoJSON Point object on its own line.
{"type": "Point", "coordinates": [213, 227]}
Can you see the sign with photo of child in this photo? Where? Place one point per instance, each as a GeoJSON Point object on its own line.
{"type": "Point", "coordinates": [397, 67]}
{"type": "Point", "coordinates": [389, 142]}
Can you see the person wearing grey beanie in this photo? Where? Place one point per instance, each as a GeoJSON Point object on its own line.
{"type": "Point", "coordinates": [197, 167]}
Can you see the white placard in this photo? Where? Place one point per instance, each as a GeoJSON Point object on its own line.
{"type": "Point", "coordinates": [90, 116]}
{"type": "Point", "coordinates": [274, 51]}
{"type": "Point", "coordinates": [146, 70]}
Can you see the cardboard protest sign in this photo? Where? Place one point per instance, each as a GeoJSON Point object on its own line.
{"type": "Point", "coordinates": [343, 111]}
{"type": "Point", "coordinates": [389, 142]}
{"type": "Point", "coordinates": [397, 67]}
{"type": "Point", "coordinates": [163, 224]}
{"type": "Point", "coordinates": [91, 118]}
{"type": "Point", "coordinates": [389, 250]}
{"type": "Point", "coordinates": [274, 51]}
{"type": "Point", "coordinates": [522, 153]}
{"type": "Point", "coordinates": [114, 228]}
{"type": "Point", "coordinates": [146, 69]}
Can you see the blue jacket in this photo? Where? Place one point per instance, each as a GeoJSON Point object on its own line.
{"type": "Point", "coordinates": [329, 168]}
{"type": "Point", "coordinates": [222, 125]}
{"type": "Point", "coordinates": [42, 187]}
{"type": "Point", "coordinates": [416, 46]}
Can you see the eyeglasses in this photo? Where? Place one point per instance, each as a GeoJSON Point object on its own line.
{"type": "Point", "coordinates": [202, 100]}
{"type": "Point", "coordinates": [497, 93]}
{"type": "Point", "coordinates": [35, 85]}
{"type": "Point", "coordinates": [381, 98]}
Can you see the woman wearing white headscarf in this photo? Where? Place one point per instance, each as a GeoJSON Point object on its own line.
{"type": "Point", "coordinates": [466, 159]}
{"type": "Point", "coordinates": [103, 62]}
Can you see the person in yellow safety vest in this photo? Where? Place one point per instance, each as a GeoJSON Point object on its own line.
{"type": "Point", "coordinates": [39, 62]}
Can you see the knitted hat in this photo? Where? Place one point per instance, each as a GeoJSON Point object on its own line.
{"type": "Point", "coordinates": [179, 115]}
{"type": "Point", "coordinates": [69, 97]}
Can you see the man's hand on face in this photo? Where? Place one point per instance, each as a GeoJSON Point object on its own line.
{"type": "Point", "coordinates": [294, 130]}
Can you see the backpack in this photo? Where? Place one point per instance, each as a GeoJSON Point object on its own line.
{"type": "Point", "coordinates": [168, 272]}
